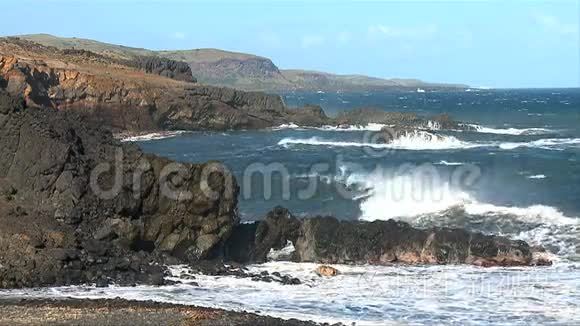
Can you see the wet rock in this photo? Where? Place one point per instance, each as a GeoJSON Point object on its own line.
{"type": "Point", "coordinates": [328, 240]}
{"type": "Point", "coordinates": [400, 123]}
{"type": "Point", "coordinates": [324, 270]}
{"type": "Point", "coordinates": [253, 242]}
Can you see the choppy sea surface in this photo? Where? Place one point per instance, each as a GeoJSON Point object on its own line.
{"type": "Point", "coordinates": [516, 174]}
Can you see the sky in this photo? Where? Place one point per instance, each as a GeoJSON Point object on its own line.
{"type": "Point", "coordinates": [507, 44]}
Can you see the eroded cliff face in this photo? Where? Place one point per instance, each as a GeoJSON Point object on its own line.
{"type": "Point", "coordinates": [78, 206]}
{"type": "Point", "coordinates": [135, 95]}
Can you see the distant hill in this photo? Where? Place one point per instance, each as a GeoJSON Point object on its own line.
{"type": "Point", "coordinates": [244, 71]}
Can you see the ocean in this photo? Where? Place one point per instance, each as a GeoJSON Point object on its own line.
{"type": "Point", "coordinates": [517, 173]}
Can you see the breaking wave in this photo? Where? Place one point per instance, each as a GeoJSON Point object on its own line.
{"type": "Point", "coordinates": [422, 140]}
{"type": "Point", "coordinates": [418, 140]}
{"type": "Point", "coordinates": [427, 201]}
{"type": "Point", "coordinates": [367, 127]}
{"type": "Point", "coordinates": [287, 126]}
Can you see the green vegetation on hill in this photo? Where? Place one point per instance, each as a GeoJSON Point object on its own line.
{"type": "Point", "coordinates": [244, 71]}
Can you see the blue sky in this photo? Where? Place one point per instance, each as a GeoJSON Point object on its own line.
{"type": "Point", "coordinates": [481, 43]}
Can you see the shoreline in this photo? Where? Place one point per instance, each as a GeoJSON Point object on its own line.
{"type": "Point", "coordinates": [117, 311]}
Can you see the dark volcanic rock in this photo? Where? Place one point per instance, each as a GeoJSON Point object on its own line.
{"type": "Point", "coordinates": [164, 67]}
{"type": "Point", "coordinates": [80, 207]}
{"type": "Point", "coordinates": [309, 116]}
{"type": "Point", "coordinates": [330, 241]}
{"type": "Point", "coordinates": [253, 242]}
{"type": "Point", "coordinates": [363, 116]}
{"type": "Point", "coordinates": [400, 120]}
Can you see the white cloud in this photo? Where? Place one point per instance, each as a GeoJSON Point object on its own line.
{"type": "Point", "coordinates": [394, 32]}
{"type": "Point", "coordinates": [178, 36]}
{"type": "Point", "coordinates": [309, 41]}
{"type": "Point", "coordinates": [553, 24]}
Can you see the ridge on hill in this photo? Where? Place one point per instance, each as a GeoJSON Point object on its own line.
{"type": "Point", "coordinates": [244, 71]}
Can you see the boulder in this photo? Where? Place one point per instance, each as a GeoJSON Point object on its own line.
{"type": "Point", "coordinates": [324, 270]}
{"type": "Point", "coordinates": [253, 242]}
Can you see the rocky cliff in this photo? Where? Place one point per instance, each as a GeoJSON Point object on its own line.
{"type": "Point", "coordinates": [246, 71]}
{"type": "Point", "coordinates": [77, 206]}
{"type": "Point", "coordinates": [132, 95]}
{"type": "Point", "coordinates": [148, 94]}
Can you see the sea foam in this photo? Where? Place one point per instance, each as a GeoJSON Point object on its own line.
{"type": "Point", "coordinates": [511, 131]}
{"type": "Point", "coordinates": [426, 201]}
{"type": "Point", "coordinates": [153, 136]}
{"type": "Point", "coordinates": [418, 140]}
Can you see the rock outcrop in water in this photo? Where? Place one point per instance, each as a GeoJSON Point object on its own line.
{"type": "Point", "coordinates": [402, 120]}
{"type": "Point", "coordinates": [78, 206]}
{"type": "Point", "coordinates": [327, 240]}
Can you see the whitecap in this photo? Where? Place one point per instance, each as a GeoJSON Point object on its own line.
{"type": "Point", "coordinates": [363, 127]}
{"type": "Point", "coordinates": [284, 126]}
{"type": "Point", "coordinates": [545, 143]}
{"type": "Point", "coordinates": [443, 162]}
{"type": "Point", "coordinates": [537, 176]}
{"type": "Point", "coordinates": [510, 131]}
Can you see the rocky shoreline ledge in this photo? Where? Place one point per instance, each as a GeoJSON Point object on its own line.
{"type": "Point", "coordinates": [121, 312]}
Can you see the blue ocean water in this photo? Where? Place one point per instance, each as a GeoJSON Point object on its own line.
{"type": "Point", "coordinates": [518, 175]}
{"type": "Point", "coordinates": [527, 149]}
